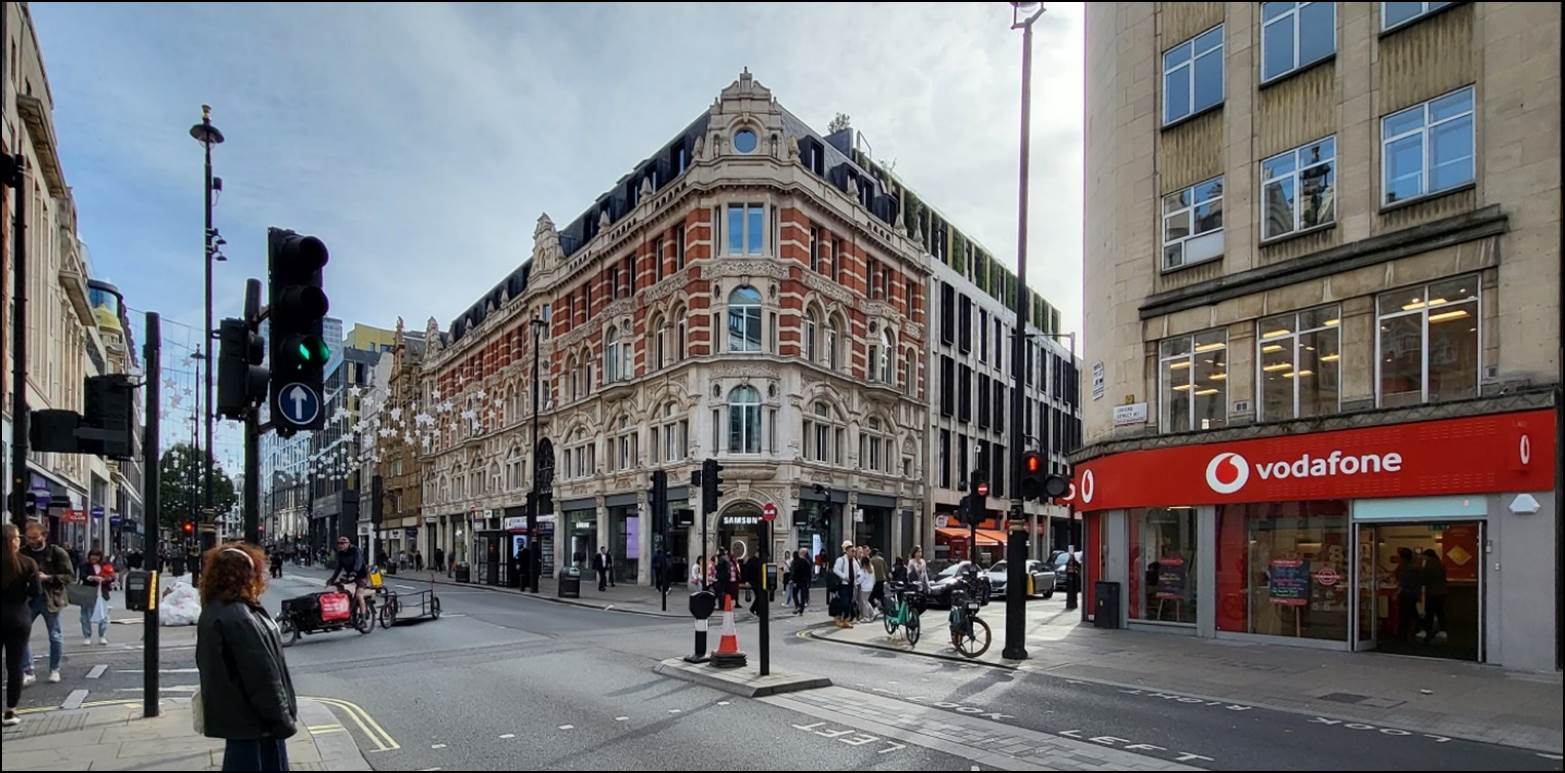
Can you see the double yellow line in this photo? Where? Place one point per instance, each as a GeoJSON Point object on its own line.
{"type": "Point", "coordinates": [372, 730]}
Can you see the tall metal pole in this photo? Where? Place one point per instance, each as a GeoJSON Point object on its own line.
{"type": "Point", "coordinates": [1016, 549]}
{"type": "Point", "coordinates": [208, 135]}
{"type": "Point", "coordinates": [152, 507]}
{"type": "Point", "coordinates": [17, 167]}
{"type": "Point", "coordinates": [252, 506]}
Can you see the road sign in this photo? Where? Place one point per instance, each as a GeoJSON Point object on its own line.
{"type": "Point", "coordinates": [769, 512]}
{"type": "Point", "coordinates": [97, 512]}
{"type": "Point", "coordinates": [299, 404]}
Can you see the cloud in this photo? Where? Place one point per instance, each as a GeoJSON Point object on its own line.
{"type": "Point", "coordinates": [421, 142]}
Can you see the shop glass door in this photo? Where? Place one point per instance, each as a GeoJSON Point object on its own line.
{"type": "Point", "coordinates": [1366, 611]}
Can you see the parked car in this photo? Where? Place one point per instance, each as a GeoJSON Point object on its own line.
{"type": "Point", "coordinates": [1058, 559]}
{"type": "Point", "coordinates": [1043, 578]}
{"type": "Point", "coordinates": [940, 586]}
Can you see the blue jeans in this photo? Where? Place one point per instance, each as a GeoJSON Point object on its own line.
{"type": "Point", "coordinates": [262, 754]}
{"type": "Point", "coordinates": [51, 620]}
{"type": "Point", "coordinates": [103, 627]}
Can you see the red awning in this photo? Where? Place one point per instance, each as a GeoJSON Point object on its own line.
{"type": "Point", "coordinates": [985, 537]}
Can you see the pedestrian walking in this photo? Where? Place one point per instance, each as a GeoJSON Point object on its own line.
{"type": "Point", "coordinates": [799, 574]}
{"type": "Point", "coordinates": [100, 575]}
{"type": "Point", "coordinates": [882, 573]}
{"type": "Point", "coordinates": [866, 589]}
{"type": "Point", "coordinates": [753, 570]}
{"type": "Point", "coordinates": [55, 572]}
{"type": "Point", "coordinates": [660, 571]}
{"type": "Point", "coordinates": [1409, 584]}
{"type": "Point", "coordinates": [841, 583]}
{"type": "Point", "coordinates": [603, 564]}
{"type": "Point", "coordinates": [1435, 592]}
{"type": "Point", "coordinates": [276, 559]}
{"type": "Point", "coordinates": [18, 588]}
{"type": "Point", "coordinates": [418, 560]}
{"type": "Point", "coordinates": [193, 560]}
{"type": "Point", "coordinates": [785, 577]}
{"type": "Point", "coordinates": [698, 574]}
{"type": "Point", "coordinates": [246, 695]}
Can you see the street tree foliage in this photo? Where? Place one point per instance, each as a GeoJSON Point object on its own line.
{"type": "Point", "coordinates": [180, 487]}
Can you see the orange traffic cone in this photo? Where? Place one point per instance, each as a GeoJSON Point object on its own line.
{"type": "Point", "coordinates": [728, 654]}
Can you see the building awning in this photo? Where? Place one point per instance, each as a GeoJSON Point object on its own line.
{"type": "Point", "coordinates": [985, 537]}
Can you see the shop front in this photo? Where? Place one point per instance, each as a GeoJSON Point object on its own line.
{"type": "Point", "coordinates": [739, 529]}
{"type": "Point", "coordinates": [624, 536]}
{"type": "Point", "coordinates": [581, 534]}
{"type": "Point", "coordinates": [872, 522]}
{"type": "Point", "coordinates": [1430, 538]}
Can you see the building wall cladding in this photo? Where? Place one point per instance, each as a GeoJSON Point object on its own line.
{"type": "Point", "coordinates": [1504, 226]}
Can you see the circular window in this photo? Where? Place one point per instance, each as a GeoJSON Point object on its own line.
{"type": "Point", "coordinates": [744, 141]}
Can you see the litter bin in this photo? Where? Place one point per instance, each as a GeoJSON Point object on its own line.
{"type": "Point", "coordinates": [570, 583]}
{"type": "Point", "coordinates": [1105, 605]}
{"type": "Point", "coordinates": [464, 573]}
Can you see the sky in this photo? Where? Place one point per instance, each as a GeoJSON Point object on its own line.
{"type": "Point", "coordinates": [421, 142]}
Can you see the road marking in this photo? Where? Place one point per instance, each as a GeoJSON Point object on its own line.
{"type": "Point", "coordinates": [508, 736]}
{"type": "Point", "coordinates": [621, 719]}
{"type": "Point", "coordinates": [856, 738]}
{"type": "Point", "coordinates": [405, 587]}
{"type": "Point", "coordinates": [97, 671]}
{"type": "Point", "coordinates": [437, 746]}
{"type": "Point", "coordinates": [1548, 756]}
{"type": "Point", "coordinates": [371, 729]}
{"type": "Point", "coordinates": [323, 728]}
{"type": "Point", "coordinates": [74, 700]}
{"type": "Point", "coordinates": [722, 703]}
{"type": "Point", "coordinates": [674, 711]}
{"type": "Point", "coordinates": [187, 688]}
{"type": "Point", "coordinates": [1360, 726]}
{"type": "Point", "coordinates": [161, 671]}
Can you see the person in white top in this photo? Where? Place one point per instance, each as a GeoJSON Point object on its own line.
{"type": "Point", "coordinates": [847, 573]}
{"type": "Point", "coordinates": [866, 587]}
{"type": "Point", "coordinates": [696, 570]}
{"type": "Point", "coordinates": [918, 570]}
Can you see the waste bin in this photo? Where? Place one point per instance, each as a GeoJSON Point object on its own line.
{"type": "Point", "coordinates": [1105, 604]}
{"type": "Point", "coordinates": [464, 573]}
{"type": "Point", "coordinates": [570, 583]}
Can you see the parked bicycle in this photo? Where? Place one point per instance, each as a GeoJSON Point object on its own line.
{"type": "Point", "coordinates": [903, 607]}
{"type": "Point", "coordinates": [969, 634]}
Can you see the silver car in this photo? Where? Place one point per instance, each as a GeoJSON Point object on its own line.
{"type": "Point", "coordinates": [1043, 578]}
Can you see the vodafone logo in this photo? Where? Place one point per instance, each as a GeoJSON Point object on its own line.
{"type": "Point", "coordinates": [1227, 472]}
{"type": "Point", "coordinates": [1089, 486]}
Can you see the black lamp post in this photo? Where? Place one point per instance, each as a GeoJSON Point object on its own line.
{"type": "Point", "coordinates": [534, 547]}
{"type": "Point", "coordinates": [208, 135]}
{"type": "Point", "coordinates": [1022, 17]}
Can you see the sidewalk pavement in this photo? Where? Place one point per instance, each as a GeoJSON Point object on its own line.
{"type": "Point", "coordinates": [636, 599]}
{"type": "Point", "coordinates": [1452, 698]}
{"type": "Point", "coordinates": [112, 735]}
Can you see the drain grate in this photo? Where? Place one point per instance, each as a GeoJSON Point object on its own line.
{"type": "Point", "coordinates": [1344, 697]}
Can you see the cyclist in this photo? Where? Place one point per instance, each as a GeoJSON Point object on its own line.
{"type": "Point", "coordinates": [352, 571]}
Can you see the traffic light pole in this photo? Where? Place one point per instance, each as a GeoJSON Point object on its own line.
{"type": "Point", "coordinates": [1016, 548]}
{"type": "Point", "coordinates": [253, 476]}
{"type": "Point", "coordinates": [151, 482]}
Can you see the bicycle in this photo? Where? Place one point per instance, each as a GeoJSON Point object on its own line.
{"type": "Point", "coordinates": [903, 612]}
{"type": "Point", "coordinates": [970, 635]}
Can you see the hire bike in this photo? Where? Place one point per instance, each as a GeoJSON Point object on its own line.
{"type": "Point", "coordinates": [969, 634]}
{"type": "Point", "coordinates": [904, 604]}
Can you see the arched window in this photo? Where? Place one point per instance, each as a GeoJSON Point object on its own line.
{"type": "Point", "coordinates": [744, 320]}
{"type": "Point", "coordinates": [888, 357]}
{"type": "Point", "coordinates": [744, 420]}
{"type": "Point", "coordinates": [822, 435]}
{"type": "Point", "coordinates": [834, 344]}
{"type": "Point", "coordinates": [659, 330]}
{"type": "Point", "coordinates": [611, 356]}
{"type": "Point", "coordinates": [811, 325]}
{"type": "Point", "coordinates": [574, 369]}
{"type": "Point", "coordinates": [910, 376]}
{"type": "Point", "coordinates": [677, 322]}
{"type": "Point", "coordinates": [874, 447]}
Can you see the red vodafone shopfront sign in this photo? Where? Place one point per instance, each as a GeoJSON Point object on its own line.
{"type": "Point", "coordinates": [1478, 454]}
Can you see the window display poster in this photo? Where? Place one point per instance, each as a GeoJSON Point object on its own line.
{"type": "Point", "coordinates": [1289, 582]}
{"type": "Point", "coordinates": [1171, 577]}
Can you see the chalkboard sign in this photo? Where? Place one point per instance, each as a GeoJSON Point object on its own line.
{"type": "Point", "coordinates": [1290, 582]}
{"type": "Point", "coordinates": [1171, 577]}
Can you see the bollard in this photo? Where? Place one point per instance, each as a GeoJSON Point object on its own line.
{"type": "Point", "coordinates": [701, 605]}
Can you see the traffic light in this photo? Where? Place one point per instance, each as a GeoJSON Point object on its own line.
{"type": "Point", "coordinates": [188, 528]}
{"type": "Point", "coordinates": [241, 379]}
{"type": "Point", "coordinates": [298, 307]}
{"type": "Point", "coordinates": [711, 482]}
{"type": "Point", "coordinates": [974, 504]}
{"type": "Point", "coordinates": [657, 501]}
{"type": "Point", "coordinates": [1032, 476]}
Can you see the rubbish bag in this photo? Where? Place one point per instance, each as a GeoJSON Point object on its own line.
{"type": "Point", "coordinates": [181, 606]}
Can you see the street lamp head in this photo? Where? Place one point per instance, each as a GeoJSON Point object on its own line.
{"type": "Point", "coordinates": [204, 132]}
{"type": "Point", "coordinates": [1024, 14]}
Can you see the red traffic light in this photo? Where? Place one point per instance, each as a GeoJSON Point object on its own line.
{"type": "Point", "coordinates": [189, 527]}
{"type": "Point", "coordinates": [1033, 462]}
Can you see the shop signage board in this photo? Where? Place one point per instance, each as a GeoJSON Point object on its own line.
{"type": "Point", "coordinates": [1506, 452]}
{"type": "Point", "coordinates": [1290, 582]}
{"type": "Point", "coordinates": [1172, 577]}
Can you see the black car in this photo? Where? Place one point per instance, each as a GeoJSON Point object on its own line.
{"type": "Point", "coordinates": [940, 585]}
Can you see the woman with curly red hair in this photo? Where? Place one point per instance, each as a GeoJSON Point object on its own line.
{"type": "Point", "coordinates": [246, 693]}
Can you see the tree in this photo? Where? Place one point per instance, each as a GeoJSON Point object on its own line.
{"type": "Point", "coordinates": [179, 487]}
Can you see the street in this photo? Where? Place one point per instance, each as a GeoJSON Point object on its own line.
{"type": "Point", "coordinates": [503, 681]}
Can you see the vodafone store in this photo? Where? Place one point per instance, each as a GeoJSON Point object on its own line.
{"type": "Point", "coordinates": [1430, 538]}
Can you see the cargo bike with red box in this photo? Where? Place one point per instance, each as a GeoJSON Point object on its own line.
{"type": "Point", "coordinates": [324, 612]}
